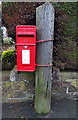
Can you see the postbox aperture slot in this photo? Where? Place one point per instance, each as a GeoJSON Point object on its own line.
{"type": "Point", "coordinates": [25, 35]}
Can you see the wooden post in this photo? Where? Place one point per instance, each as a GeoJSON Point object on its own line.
{"type": "Point", "coordinates": [43, 75]}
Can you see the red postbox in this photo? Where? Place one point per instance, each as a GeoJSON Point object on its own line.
{"type": "Point", "coordinates": [26, 48]}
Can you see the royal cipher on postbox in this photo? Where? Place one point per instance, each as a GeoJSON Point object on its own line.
{"type": "Point", "coordinates": [26, 48]}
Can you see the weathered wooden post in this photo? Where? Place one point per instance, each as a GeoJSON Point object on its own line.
{"type": "Point", "coordinates": [43, 76]}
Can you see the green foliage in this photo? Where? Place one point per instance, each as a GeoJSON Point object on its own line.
{"type": "Point", "coordinates": [68, 7]}
{"type": "Point", "coordinates": [8, 84]}
{"type": "Point", "coordinates": [8, 59]}
{"type": "Point", "coordinates": [71, 52]}
{"type": "Point", "coordinates": [67, 55]}
{"type": "Point", "coordinates": [65, 52]}
{"type": "Point", "coordinates": [7, 40]}
{"type": "Point", "coordinates": [7, 4]}
{"type": "Point", "coordinates": [70, 10]}
{"type": "Point", "coordinates": [22, 85]}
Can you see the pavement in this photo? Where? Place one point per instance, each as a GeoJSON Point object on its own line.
{"type": "Point", "coordinates": [63, 104]}
{"type": "Point", "coordinates": [61, 107]}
